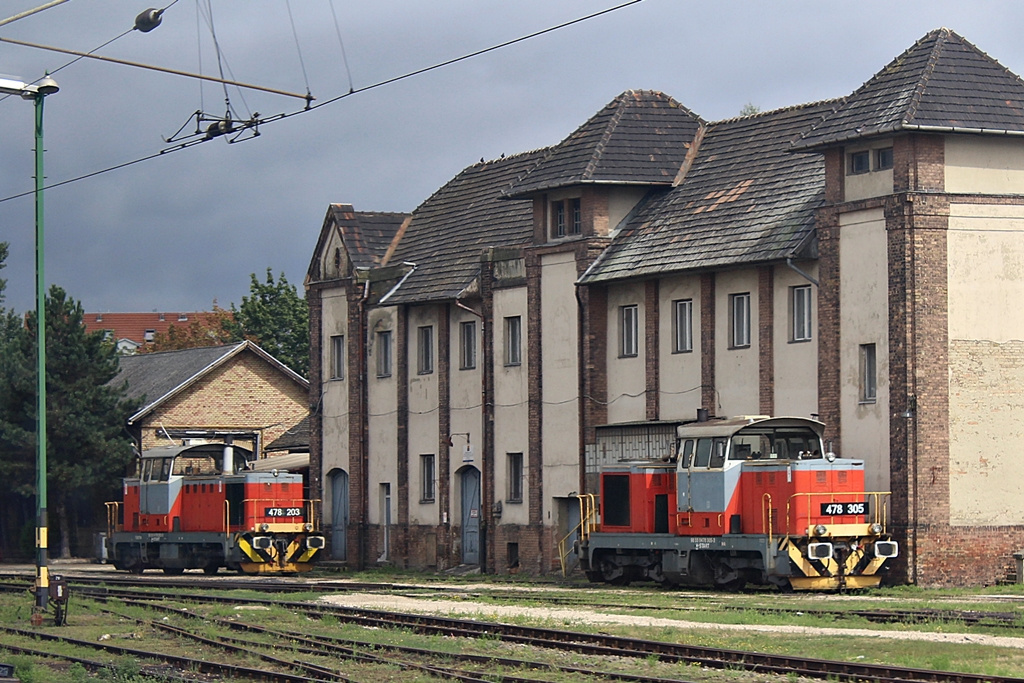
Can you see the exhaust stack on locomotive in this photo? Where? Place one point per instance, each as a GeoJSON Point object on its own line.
{"type": "Point", "coordinates": [200, 507]}
{"type": "Point", "coordinates": [755, 500]}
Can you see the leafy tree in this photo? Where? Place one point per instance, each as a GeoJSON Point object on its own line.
{"type": "Point", "coordinates": [277, 318]}
{"type": "Point", "coordinates": [749, 109]}
{"type": "Point", "coordinates": [205, 329]}
{"type": "Point", "coordinates": [87, 449]}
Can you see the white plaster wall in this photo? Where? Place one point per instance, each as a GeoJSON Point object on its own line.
{"type": "Point", "coordinates": [986, 363]}
{"type": "Point", "coordinates": [383, 419]}
{"type": "Point", "coordinates": [796, 363]}
{"type": "Point", "coordinates": [511, 406]}
{"type": "Point", "coordinates": [334, 393]}
{"type": "Point", "coordinates": [626, 383]}
{"type": "Point", "coordinates": [736, 370]}
{"type": "Point", "coordinates": [988, 165]}
{"type": "Point", "coordinates": [423, 407]}
{"type": "Point", "coordinates": [680, 372]}
{"type": "Point", "coordinates": [864, 319]}
{"type": "Point", "coordinates": [559, 366]}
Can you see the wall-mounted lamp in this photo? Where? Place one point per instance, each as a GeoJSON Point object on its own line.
{"type": "Point", "coordinates": [911, 407]}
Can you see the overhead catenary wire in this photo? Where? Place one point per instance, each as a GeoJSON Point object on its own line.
{"type": "Point", "coordinates": [344, 57]}
{"type": "Point", "coordinates": [333, 100]}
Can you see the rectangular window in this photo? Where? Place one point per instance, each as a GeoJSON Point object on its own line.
{"type": "Point", "coordinates": [801, 312]}
{"type": "Point", "coordinates": [559, 218]}
{"type": "Point", "coordinates": [860, 162]}
{"type": "Point", "coordinates": [576, 226]}
{"type": "Point", "coordinates": [515, 477]}
{"type": "Point", "coordinates": [628, 331]}
{"type": "Point", "coordinates": [883, 158]}
{"type": "Point", "coordinates": [513, 340]}
{"type": "Point", "coordinates": [739, 320]}
{"type": "Point", "coordinates": [427, 477]}
{"type": "Point", "coordinates": [682, 326]}
{"type": "Point", "coordinates": [425, 350]}
{"type": "Point", "coordinates": [383, 351]}
{"type": "Point", "coordinates": [338, 356]}
{"type": "Point", "coordinates": [868, 374]}
{"type": "Point", "coordinates": [467, 345]}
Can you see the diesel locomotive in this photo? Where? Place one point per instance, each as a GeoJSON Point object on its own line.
{"type": "Point", "coordinates": [202, 507]}
{"type": "Point", "coordinates": [749, 500]}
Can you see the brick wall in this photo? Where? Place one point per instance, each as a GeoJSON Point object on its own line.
{"type": "Point", "coordinates": [708, 396]}
{"type": "Point", "coordinates": [246, 393]}
{"type": "Point", "coordinates": [766, 339]}
{"type": "Point", "coordinates": [652, 349]}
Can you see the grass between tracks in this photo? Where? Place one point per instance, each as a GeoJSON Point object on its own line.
{"type": "Point", "coordinates": [485, 595]}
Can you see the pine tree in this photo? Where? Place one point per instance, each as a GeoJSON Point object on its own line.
{"type": "Point", "coordinates": [87, 448]}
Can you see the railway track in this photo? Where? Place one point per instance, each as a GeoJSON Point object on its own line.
{"type": "Point", "coordinates": [582, 643]}
{"type": "Point", "coordinates": [1004, 620]}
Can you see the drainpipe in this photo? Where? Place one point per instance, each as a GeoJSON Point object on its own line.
{"type": "Point", "coordinates": [813, 281]}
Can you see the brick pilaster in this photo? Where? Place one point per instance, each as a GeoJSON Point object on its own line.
{"type": "Point", "coordinates": [708, 394]}
{"type": "Point", "coordinates": [766, 339]}
{"type": "Point", "coordinates": [652, 349]}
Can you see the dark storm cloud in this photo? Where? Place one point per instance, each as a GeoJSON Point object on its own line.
{"type": "Point", "coordinates": [177, 232]}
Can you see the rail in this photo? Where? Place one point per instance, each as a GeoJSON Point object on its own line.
{"type": "Point", "coordinates": [588, 523]}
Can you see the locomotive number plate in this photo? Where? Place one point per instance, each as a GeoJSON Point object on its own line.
{"type": "Point", "coordinates": [284, 512]}
{"type": "Point", "coordinates": [837, 509]}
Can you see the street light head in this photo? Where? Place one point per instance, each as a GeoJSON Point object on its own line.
{"type": "Point", "coordinates": [47, 86]}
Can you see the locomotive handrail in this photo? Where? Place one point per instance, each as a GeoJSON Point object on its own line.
{"type": "Point", "coordinates": [113, 512]}
{"type": "Point", "coordinates": [766, 516]}
{"type": "Point", "coordinates": [878, 512]}
{"type": "Point", "coordinates": [588, 517]}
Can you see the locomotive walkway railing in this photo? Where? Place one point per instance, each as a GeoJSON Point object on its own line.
{"type": "Point", "coordinates": [588, 524]}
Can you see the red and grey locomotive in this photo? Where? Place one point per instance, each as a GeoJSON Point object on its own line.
{"type": "Point", "coordinates": [753, 500]}
{"type": "Point", "coordinates": [201, 507]}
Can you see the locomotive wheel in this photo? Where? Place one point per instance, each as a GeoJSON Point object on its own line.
{"type": "Point", "coordinates": [174, 571]}
{"type": "Point", "coordinates": [211, 569]}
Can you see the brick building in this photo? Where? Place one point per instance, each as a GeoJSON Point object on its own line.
{"type": "Point", "coordinates": [858, 259]}
{"type": "Point", "coordinates": [131, 331]}
{"type": "Point", "coordinates": [204, 394]}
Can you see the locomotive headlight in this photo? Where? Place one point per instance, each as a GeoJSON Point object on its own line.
{"type": "Point", "coordinates": [264, 527]}
{"type": "Point", "coordinates": [307, 527]}
{"type": "Point", "coordinates": [820, 530]}
{"type": "Point", "coordinates": [875, 529]}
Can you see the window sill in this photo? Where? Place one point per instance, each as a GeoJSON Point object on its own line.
{"type": "Point", "coordinates": [682, 351]}
{"type": "Point", "coordinates": [800, 341]}
{"type": "Point", "coordinates": [427, 501]}
{"type": "Point", "coordinates": [514, 501]}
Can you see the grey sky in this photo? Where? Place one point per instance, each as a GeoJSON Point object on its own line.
{"type": "Point", "coordinates": [178, 232]}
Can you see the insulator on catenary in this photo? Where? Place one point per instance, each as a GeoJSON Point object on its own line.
{"type": "Point", "coordinates": [148, 19]}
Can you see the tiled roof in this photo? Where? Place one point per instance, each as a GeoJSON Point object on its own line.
{"type": "Point", "coordinates": [366, 234]}
{"type": "Point", "coordinates": [154, 377]}
{"type": "Point", "coordinates": [135, 325]}
{"type": "Point", "coordinates": [746, 198]}
{"type": "Point", "coordinates": [943, 84]}
{"type": "Point", "coordinates": [295, 438]}
{"type": "Point", "coordinates": [640, 137]}
{"type": "Point", "coordinates": [451, 229]}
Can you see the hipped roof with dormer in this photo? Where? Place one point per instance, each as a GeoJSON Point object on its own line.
{"type": "Point", "coordinates": [746, 198]}
{"type": "Point", "coordinates": [639, 138]}
{"type": "Point", "coordinates": [942, 84]}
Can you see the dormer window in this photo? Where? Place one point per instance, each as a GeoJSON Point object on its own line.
{"type": "Point", "coordinates": [566, 218]}
{"type": "Point", "coordinates": [883, 158]}
{"type": "Point", "coordinates": [860, 162]}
